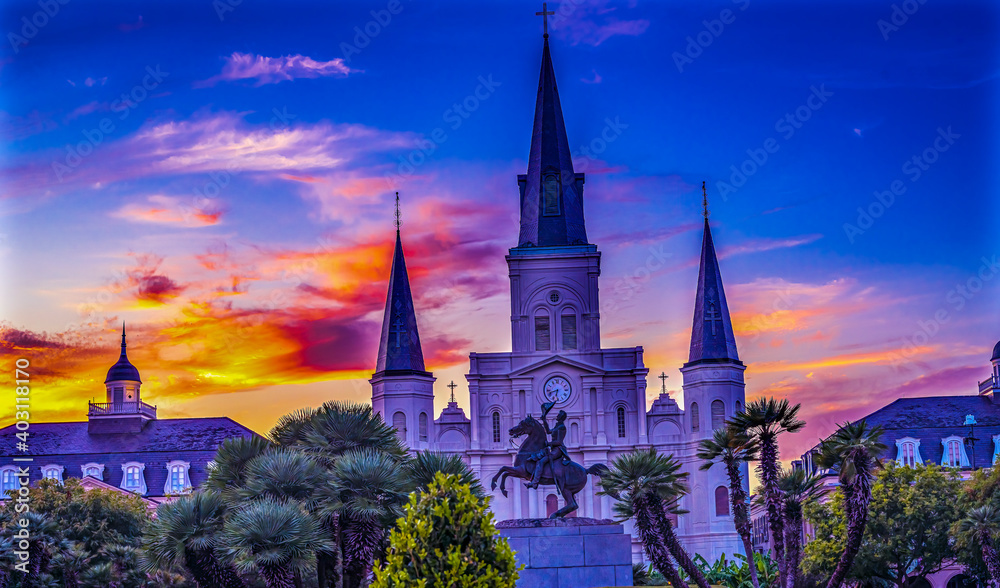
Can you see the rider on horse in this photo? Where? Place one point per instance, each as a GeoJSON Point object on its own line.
{"type": "Point", "coordinates": [555, 448]}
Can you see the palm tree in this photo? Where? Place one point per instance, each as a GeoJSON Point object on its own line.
{"type": "Point", "coordinates": [798, 489]}
{"type": "Point", "coordinates": [367, 493]}
{"type": "Point", "coordinates": [648, 486]}
{"type": "Point", "coordinates": [185, 532]}
{"type": "Point", "coordinates": [982, 525]}
{"type": "Point", "coordinates": [276, 539]}
{"type": "Point", "coordinates": [732, 449]}
{"type": "Point", "coordinates": [228, 474]}
{"type": "Point", "coordinates": [285, 474]}
{"type": "Point", "coordinates": [853, 451]}
{"type": "Point", "coordinates": [763, 420]}
{"type": "Point", "coordinates": [419, 472]}
{"type": "Point", "coordinates": [339, 427]}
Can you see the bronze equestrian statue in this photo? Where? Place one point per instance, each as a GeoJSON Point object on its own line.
{"type": "Point", "coordinates": [541, 461]}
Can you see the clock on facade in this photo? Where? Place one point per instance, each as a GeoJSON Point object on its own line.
{"type": "Point", "coordinates": [557, 389]}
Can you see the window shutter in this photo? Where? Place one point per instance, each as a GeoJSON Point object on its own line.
{"type": "Point", "coordinates": [569, 331]}
{"type": "Point", "coordinates": [542, 335]}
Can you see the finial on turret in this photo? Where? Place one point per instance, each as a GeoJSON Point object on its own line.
{"type": "Point", "coordinates": [545, 13]}
{"type": "Point", "coordinates": [123, 334]}
{"type": "Point", "coordinates": [704, 201]}
{"type": "Point", "coordinates": [398, 215]}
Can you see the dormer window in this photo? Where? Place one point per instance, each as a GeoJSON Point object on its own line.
{"type": "Point", "coordinates": [133, 479]}
{"type": "Point", "coordinates": [178, 480]}
{"type": "Point", "coordinates": [8, 481]}
{"type": "Point", "coordinates": [954, 453]}
{"type": "Point", "coordinates": [53, 472]}
{"type": "Point", "coordinates": [550, 194]}
{"type": "Point", "coordinates": [94, 470]}
{"type": "Point", "coordinates": [996, 449]}
{"type": "Point", "coordinates": [908, 452]}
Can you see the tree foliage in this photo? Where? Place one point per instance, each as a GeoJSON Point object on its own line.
{"type": "Point", "coordinates": [906, 534]}
{"type": "Point", "coordinates": [446, 539]}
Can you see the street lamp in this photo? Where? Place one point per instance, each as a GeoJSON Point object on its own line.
{"type": "Point", "coordinates": [970, 421]}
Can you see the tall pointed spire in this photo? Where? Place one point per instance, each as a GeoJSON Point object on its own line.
{"type": "Point", "coordinates": [712, 338]}
{"type": "Point", "coordinates": [399, 346]}
{"type": "Point", "coordinates": [551, 192]}
{"type": "Point", "coordinates": [123, 368]}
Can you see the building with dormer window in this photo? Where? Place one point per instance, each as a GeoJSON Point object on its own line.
{"type": "Point", "coordinates": [122, 444]}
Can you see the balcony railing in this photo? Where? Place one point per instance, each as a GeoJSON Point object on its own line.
{"type": "Point", "coordinates": [987, 385]}
{"type": "Point", "coordinates": [121, 408]}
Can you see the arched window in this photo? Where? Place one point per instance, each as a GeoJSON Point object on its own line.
{"type": "Point", "coordinates": [399, 423]}
{"type": "Point", "coordinates": [178, 481]}
{"type": "Point", "coordinates": [695, 417]}
{"type": "Point", "coordinates": [718, 414]}
{"type": "Point", "coordinates": [133, 479]}
{"type": "Point", "coordinates": [496, 426]}
{"type": "Point", "coordinates": [8, 480]}
{"type": "Point", "coordinates": [550, 194]}
{"type": "Point", "coordinates": [739, 406]}
{"type": "Point", "coordinates": [568, 325]}
{"type": "Point", "coordinates": [542, 334]}
{"type": "Point", "coordinates": [551, 504]}
{"type": "Point", "coordinates": [621, 421]}
{"type": "Point", "coordinates": [722, 501]}
{"type": "Point", "coordinates": [53, 472]}
{"type": "Point", "coordinates": [908, 452]}
{"type": "Point", "coordinates": [94, 470]}
{"type": "Point", "coordinates": [422, 426]}
{"type": "Point", "coordinates": [954, 453]}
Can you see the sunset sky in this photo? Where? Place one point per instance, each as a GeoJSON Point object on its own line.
{"type": "Point", "coordinates": [220, 175]}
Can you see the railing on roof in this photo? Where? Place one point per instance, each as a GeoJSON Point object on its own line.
{"type": "Point", "coordinates": [988, 385]}
{"type": "Point", "coordinates": [121, 408]}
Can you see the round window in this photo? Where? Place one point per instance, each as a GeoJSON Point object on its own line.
{"type": "Point", "coordinates": [553, 297]}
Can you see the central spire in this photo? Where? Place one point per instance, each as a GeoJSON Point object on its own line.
{"type": "Point", "coordinates": [399, 345]}
{"type": "Point", "coordinates": [712, 338]}
{"type": "Point", "coordinates": [551, 192]}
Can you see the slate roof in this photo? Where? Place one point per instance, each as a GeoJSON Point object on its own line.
{"type": "Point", "coordinates": [193, 440]}
{"type": "Point", "coordinates": [399, 344]}
{"type": "Point", "coordinates": [933, 418]}
{"type": "Point", "coordinates": [550, 154]}
{"type": "Point", "coordinates": [712, 338]}
{"type": "Point", "coordinates": [166, 435]}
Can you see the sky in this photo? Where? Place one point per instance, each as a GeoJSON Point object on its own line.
{"type": "Point", "coordinates": [220, 176]}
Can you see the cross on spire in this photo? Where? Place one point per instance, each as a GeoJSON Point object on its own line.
{"type": "Point", "coordinates": [704, 200]}
{"type": "Point", "coordinates": [712, 316]}
{"type": "Point", "coordinates": [663, 378]}
{"type": "Point", "coordinates": [452, 386]}
{"type": "Point", "coordinates": [398, 215]}
{"type": "Point", "coordinates": [545, 13]}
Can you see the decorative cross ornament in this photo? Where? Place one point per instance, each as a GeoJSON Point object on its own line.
{"type": "Point", "coordinates": [452, 386]}
{"type": "Point", "coordinates": [545, 13]}
{"type": "Point", "coordinates": [398, 215]}
{"type": "Point", "coordinates": [712, 316]}
{"type": "Point", "coordinates": [663, 378]}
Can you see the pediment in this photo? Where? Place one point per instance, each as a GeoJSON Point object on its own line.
{"type": "Point", "coordinates": [556, 359]}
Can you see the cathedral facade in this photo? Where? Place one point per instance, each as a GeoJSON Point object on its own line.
{"type": "Point", "coordinates": [556, 356]}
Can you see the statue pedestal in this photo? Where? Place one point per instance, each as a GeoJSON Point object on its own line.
{"type": "Point", "coordinates": [570, 553]}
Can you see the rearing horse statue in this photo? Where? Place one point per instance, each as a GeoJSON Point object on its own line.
{"type": "Point", "coordinates": [569, 479]}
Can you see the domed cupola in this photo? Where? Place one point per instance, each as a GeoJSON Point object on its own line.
{"type": "Point", "coordinates": [996, 352]}
{"type": "Point", "coordinates": [123, 370]}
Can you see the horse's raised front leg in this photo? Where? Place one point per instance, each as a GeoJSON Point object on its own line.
{"type": "Point", "coordinates": [571, 505]}
{"type": "Point", "coordinates": [502, 475]}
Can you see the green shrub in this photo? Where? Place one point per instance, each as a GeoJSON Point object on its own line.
{"type": "Point", "coordinates": [446, 539]}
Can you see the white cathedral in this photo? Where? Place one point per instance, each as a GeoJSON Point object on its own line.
{"type": "Point", "coordinates": [557, 357]}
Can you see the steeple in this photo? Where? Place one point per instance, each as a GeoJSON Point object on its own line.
{"type": "Point", "coordinates": [712, 339]}
{"type": "Point", "coordinates": [123, 370]}
{"type": "Point", "coordinates": [551, 193]}
{"type": "Point", "coordinates": [399, 346]}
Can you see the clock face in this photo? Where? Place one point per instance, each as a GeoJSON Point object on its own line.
{"type": "Point", "coordinates": [557, 389]}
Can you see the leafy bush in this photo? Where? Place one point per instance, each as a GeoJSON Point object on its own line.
{"type": "Point", "coordinates": [446, 538]}
{"type": "Point", "coordinates": [736, 573]}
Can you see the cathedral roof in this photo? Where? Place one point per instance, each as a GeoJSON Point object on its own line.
{"type": "Point", "coordinates": [399, 346]}
{"type": "Point", "coordinates": [557, 220]}
{"type": "Point", "coordinates": [712, 338]}
{"type": "Point", "coordinates": [123, 369]}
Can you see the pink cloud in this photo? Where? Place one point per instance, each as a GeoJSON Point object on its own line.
{"type": "Point", "coordinates": [168, 210]}
{"type": "Point", "coordinates": [592, 22]}
{"type": "Point", "coordinates": [594, 80]}
{"type": "Point", "coordinates": [272, 70]}
{"type": "Point", "coordinates": [86, 109]}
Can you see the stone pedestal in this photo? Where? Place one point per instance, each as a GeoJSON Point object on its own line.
{"type": "Point", "coordinates": [570, 553]}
